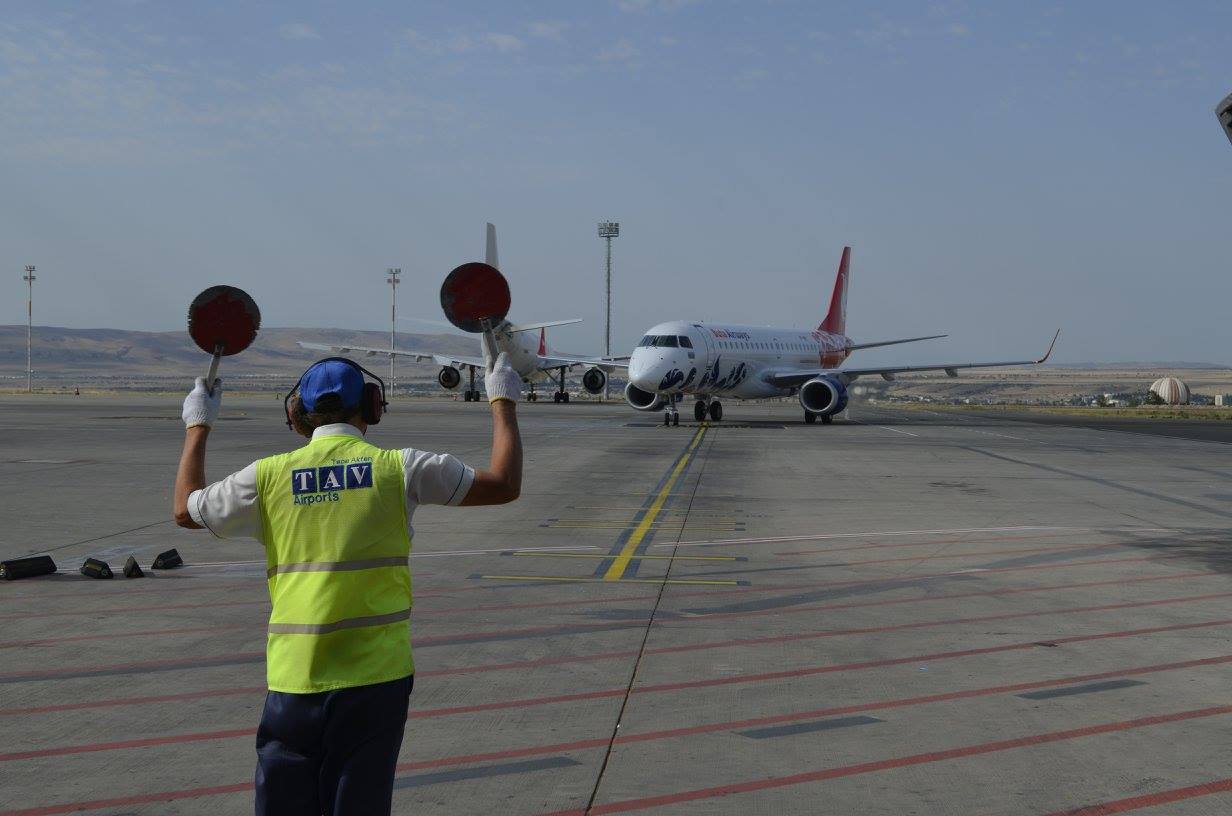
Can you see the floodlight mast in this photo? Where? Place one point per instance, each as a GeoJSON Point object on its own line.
{"type": "Point", "coordinates": [29, 279]}
{"type": "Point", "coordinates": [392, 280]}
{"type": "Point", "coordinates": [607, 231]}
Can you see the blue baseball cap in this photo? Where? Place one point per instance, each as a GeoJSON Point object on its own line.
{"type": "Point", "coordinates": [331, 377]}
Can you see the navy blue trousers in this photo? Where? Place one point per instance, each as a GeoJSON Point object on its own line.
{"type": "Point", "coordinates": [331, 753]}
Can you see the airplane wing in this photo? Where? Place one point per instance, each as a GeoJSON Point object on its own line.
{"type": "Point", "coordinates": [790, 379]}
{"type": "Point", "coordinates": [608, 364]}
{"type": "Point", "coordinates": [417, 356]}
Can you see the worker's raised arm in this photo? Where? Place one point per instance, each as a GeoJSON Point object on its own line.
{"type": "Point", "coordinates": [200, 412]}
{"type": "Point", "coordinates": [502, 481]}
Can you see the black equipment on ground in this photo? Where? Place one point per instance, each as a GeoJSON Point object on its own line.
{"type": "Point", "coordinates": [93, 568]}
{"type": "Point", "coordinates": [167, 560]}
{"type": "Point", "coordinates": [132, 569]}
{"type": "Point", "coordinates": [16, 568]}
{"type": "Point", "coordinates": [371, 404]}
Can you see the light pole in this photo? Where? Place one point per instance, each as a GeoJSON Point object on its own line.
{"type": "Point", "coordinates": [607, 231]}
{"type": "Point", "coordinates": [392, 280]}
{"type": "Point", "coordinates": [29, 279]}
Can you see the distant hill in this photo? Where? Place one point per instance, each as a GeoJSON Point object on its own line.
{"type": "Point", "coordinates": [94, 354]}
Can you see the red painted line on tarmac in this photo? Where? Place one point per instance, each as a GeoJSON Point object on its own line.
{"type": "Point", "coordinates": [83, 612]}
{"type": "Point", "coordinates": [118, 745]}
{"type": "Point", "coordinates": [15, 644]}
{"type": "Point", "coordinates": [126, 701]}
{"type": "Point", "coordinates": [803, 672]}
{"type": "Point", "coordinates": [1151, 799]}
{"type": "Point", "coordinates": [760, 589]}
{"type": "Point", "coordinates": [796, 716]}
{"type": "Point", "coordinates": [926, 758]}
{"type": "Point", "coordinates": [544, 662]}
{"type": "Point", "coordinates": [989, 593]}
{"type": "Point", "coordinates": [616, 692]}
{"type": "Point", "coordinates": [122, 801]}
{"type": "Point", "coordinates": [1017, 551]}
{"type": "Point", "coordinates": [189, 661]}
{"type": "Point", "coordinates": [465, 759]}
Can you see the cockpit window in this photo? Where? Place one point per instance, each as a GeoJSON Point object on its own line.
{"type": "Point", "coordinates": [668, 340]}
{"type": "Point", "coordinates": [685, 342]}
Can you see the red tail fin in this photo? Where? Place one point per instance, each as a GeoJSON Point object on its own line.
{"type": "Point", "coordinates": [836, 318]}
{"type": "Point", "coordinates": [543, 342]}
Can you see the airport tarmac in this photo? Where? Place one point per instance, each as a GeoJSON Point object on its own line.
{"type": "Point", "coordinates": [904, 613]}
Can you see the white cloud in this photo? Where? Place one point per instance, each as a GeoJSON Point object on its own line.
{"type": "Point", "coordinates": [464, 43]}
{"type": "Point", "coordinates": [298, 31]}
{"type": "Point", "coordinates": [548, 29]}
{"type": "Point", "coordinates": [622, 50]}
{"type": "Point", "coordinates": [639, 6]}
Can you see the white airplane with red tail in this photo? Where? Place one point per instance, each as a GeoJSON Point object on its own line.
{"type": "Point", "coordinates": [713, 360]}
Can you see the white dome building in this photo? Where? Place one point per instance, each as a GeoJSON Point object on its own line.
{"type": "Point", "coordinates": [1171, 390]}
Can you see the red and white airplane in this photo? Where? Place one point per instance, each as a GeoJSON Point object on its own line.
{"type": "Point", "coordinates": [712, 360]}
{"type": "Point", "coordinates": [529, 355]}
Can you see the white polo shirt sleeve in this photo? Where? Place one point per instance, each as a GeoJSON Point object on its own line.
{"type": "Point", "coordinates": [435, 478]}
{"type": "Point", "coordinates": [229, 508]}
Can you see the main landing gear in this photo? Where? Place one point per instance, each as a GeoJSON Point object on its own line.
{"type": "Point", "coordinates": [562, 395]}
{"type": "Point", "coordinates": [471, 394]}
{"type": "Point", "coordinates": [810, 418]}
{"type": "Point", "coordinates": [711, 408]}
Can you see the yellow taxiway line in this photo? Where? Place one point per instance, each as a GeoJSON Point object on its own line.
{"type": "Point", "coordinates": [592, 580]}
{"type": "Point", "coordinates": [533, 553]}
{"type": "Point", "coordinates": [626, 552]}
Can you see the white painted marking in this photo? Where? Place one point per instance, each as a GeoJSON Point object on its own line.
{"type": "Point", "coordinates": [824, 536]}
{"type": "Point", "coordinates": [442, 554]}
{"type": "Point", "coordinates": [897, 431]}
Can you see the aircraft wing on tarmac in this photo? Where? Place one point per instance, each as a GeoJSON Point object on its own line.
{"type": "Point", "coordinates": [553, 362]}
{"type": "Point", "coordinates": [607, 364]}
{"type": "Point", "coordinates": [789, 379]}
{"type": "Point", "coordinates": [417, 356]}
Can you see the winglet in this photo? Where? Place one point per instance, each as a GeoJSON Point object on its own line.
{"type": "Point", "coordinates": [1051, 345]}
{"type": "Point", "coordinates": [490, 250]}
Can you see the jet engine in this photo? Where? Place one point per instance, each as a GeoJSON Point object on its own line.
{"type": "Point", "coordinates": [642, 400]}
{"type": "Point", "coordinates": [594, 380]}
{"type": "Point", "coordinates": [449, 377]}
{"type": "Point", "coordinates": [824, 396]}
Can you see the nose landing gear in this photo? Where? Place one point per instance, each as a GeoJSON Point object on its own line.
{"type": "Point", "coordinates": [671, 414]}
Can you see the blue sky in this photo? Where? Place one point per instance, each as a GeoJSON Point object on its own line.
{"type": "Point", "coordinates": [1000, 169]}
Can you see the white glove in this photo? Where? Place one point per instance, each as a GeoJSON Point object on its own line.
{"type": "Point", "coordinates": [501, 382]}
{"type": "Point", "coordinates": [200, 406]}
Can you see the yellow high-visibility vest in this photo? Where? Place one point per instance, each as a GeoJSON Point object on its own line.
{"type": "Point", "coordinates": [333, 515]}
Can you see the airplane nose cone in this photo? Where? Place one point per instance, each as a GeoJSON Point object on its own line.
{"type": "Point", "coordinates": [641, 364]}
{"type": "Point", "coordinates": [654, 370]}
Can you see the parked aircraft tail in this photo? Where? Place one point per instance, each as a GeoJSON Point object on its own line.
{"type": "Point", "coordinates": [836, 318]}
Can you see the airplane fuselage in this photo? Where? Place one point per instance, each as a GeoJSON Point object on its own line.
{"type": "Point", "coordinates": [720, 359]}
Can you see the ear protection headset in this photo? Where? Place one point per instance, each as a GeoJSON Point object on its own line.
{"type": "Point", "coordinates": [372, 401]}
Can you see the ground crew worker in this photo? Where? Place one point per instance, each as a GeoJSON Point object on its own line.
{"type": "Point", "coordinates": [335, 519]}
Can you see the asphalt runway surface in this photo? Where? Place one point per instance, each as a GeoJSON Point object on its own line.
{"type": "Point", "coordinates": [903, 613]}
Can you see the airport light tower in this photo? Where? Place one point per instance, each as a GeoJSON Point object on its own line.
{"type": "Point", "coordinates": [392, 280]}
{"type": "Point", "coordinates": [607, 231]}
{"type": "Point", "coordinates": [29, 279]}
